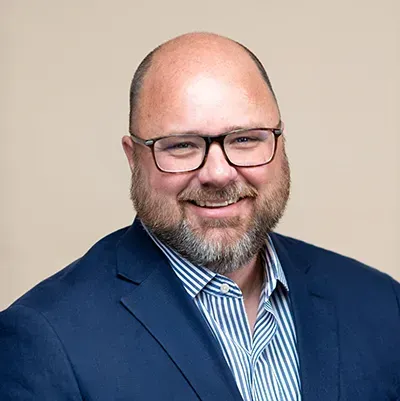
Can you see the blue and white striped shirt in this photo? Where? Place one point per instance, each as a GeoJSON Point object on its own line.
{"type": "Point", "coordinates": [265, 365]}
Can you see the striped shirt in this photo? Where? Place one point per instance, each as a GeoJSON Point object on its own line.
{"type": "Point", "coordinates": [265, 365]}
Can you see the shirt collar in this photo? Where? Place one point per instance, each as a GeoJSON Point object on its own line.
{"type": "Point", "coordinates": [196, 278]}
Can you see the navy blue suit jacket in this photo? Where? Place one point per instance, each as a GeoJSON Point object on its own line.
{"type": "Point", "coordinates": [118, 325]}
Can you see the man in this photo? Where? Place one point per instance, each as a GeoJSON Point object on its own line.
{"type": "Point", "coordinates": [199, 299]}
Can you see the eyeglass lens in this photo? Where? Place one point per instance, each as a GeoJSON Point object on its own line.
{"type": "Point", "coordinates": [186, 152]}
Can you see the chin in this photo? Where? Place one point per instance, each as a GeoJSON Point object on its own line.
{"type": "Point", "coordinates": [220, 230]}
{"type": "Point", "coordinates": [201, 223]}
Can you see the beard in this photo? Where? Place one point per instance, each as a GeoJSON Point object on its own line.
{"type": "Point", "coordinates": [221, 245]}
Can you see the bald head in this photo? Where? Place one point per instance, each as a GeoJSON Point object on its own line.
{"type": "Point", "coordinates": [192, 55]}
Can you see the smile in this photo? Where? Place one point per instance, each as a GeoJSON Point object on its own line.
{"type": "Point", "coordinates": [215, 203]}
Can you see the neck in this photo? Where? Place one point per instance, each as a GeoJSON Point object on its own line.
{"type": "Point", "coordinates": [249, 278]}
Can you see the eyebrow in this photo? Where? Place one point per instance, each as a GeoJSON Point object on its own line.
{"type": "Point", "coordinates": [228, 129]}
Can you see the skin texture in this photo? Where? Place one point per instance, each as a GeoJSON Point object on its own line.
{"type": "Point", "coordinates": [207, 84]}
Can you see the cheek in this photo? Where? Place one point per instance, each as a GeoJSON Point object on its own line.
{"type": "Point", "coordinates": [258, 177]}
{"type": "Point", "coordinates": [265, 177]}
{"type": "Point", "coordinates": [167, 185]}
{"type": "Point", "coordinates": [161, 184]}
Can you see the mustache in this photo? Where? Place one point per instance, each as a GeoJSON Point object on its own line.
{"type": "Point", "coordinates": [234, 191]}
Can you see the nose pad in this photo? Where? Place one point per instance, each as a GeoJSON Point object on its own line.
{"type": "Point", "coordinates": [216, 170]}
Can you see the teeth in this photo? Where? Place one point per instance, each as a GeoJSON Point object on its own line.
{"type": "Point", "coordinates": [216, 204]}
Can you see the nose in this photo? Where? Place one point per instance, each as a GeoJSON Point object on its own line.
{"type": "Point", "coordinates": [217, 172]}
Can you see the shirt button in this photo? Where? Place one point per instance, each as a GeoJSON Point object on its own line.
{"type": "Point", "coordinates": [224, 288]}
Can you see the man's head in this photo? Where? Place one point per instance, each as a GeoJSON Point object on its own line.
{"type": "Point", "coordinates": [209, 85]}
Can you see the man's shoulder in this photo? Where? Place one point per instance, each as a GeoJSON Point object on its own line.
{"type": "Point", "coordinates": [329, 266]}
{"type": "Point", "coordinates": [79, 281]}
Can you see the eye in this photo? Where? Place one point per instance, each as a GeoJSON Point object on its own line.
{"type": "Point", "coordinates": [180, 145]}
{"type": "Point", "coordinates": [245, 139]}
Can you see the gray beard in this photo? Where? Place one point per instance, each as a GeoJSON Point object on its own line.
{"type": "Point", "coordinates": [223, 256]}
{"type": "Point", "coordinates": [216, 256]}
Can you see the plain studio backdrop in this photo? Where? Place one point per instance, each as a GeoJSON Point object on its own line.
{"type": "Point", "coordinates": [65, 72]}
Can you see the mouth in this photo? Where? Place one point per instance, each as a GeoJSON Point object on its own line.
{"type": "Point", "coordinates": [215, 204]}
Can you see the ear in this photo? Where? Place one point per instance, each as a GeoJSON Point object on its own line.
{"type": "Point", "coordinates": [128, 145]}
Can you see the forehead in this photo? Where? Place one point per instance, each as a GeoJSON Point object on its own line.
{"type": "Point", "coordinates": [204, 95]}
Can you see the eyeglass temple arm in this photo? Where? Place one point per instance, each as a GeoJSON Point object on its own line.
{"type": "Point", "coordinates": [148, 142]}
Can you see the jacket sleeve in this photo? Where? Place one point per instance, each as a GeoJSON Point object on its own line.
{"type": "Point", "coordinates": [33, 363]}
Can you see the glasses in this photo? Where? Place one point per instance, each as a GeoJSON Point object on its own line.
{"type": "Point", "coordinates": [188, 152]}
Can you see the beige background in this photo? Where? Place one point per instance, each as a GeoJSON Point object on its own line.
{"type": "Point", "coordinates": [64, 75]}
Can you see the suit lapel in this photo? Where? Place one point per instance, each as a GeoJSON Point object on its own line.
{"type": "Point", "coordinates": [316, 326]}
{"type": "Point", "coordinates": [162, 305]}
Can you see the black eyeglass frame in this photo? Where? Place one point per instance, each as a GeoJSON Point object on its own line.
{"type": "Point", "coordinates": [277, 132]}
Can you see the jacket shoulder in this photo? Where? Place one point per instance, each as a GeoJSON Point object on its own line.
{"type": "Point", "coordinates": [350, 284]}
{"type": "Point", "coordinates": [78, 280]}
{"type": "Point", "coordinates": [327, 262]}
